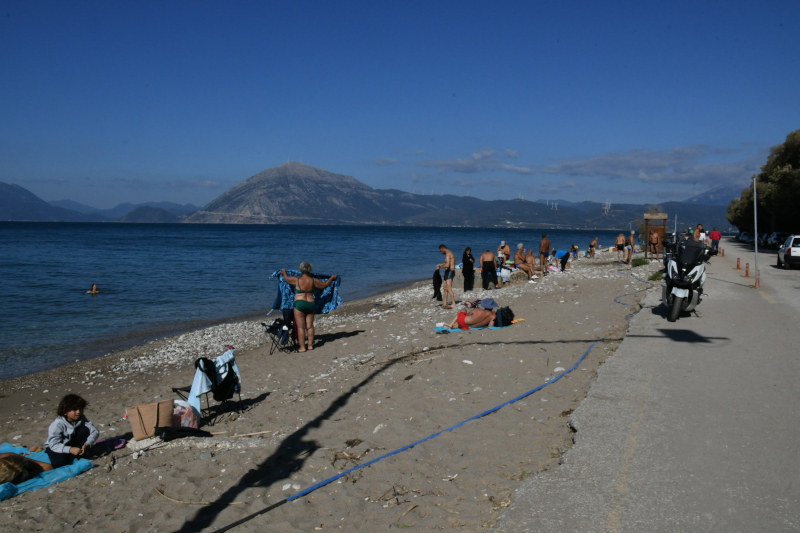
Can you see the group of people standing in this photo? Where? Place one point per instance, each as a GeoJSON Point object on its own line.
{"type": "Point", "coordinates": [625, 247]}
{"type": "Point", "coordinates": [489, 262]}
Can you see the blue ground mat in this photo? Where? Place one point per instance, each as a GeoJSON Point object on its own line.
{"type": "Point", "coordinates": [45, 479]}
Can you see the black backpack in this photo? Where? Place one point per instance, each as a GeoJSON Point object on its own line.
{"type": "Point", "coordinates": [504, 316]}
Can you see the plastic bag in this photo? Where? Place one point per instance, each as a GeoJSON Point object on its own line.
{"type": "Point", "coordinates": [184, 415]}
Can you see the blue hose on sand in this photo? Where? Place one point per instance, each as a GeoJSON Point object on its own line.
{"type": "Point", "coordinates": [321, 484]}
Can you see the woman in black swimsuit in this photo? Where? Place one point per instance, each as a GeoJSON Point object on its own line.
{"type": "Point", "coordinates": [304, 305]}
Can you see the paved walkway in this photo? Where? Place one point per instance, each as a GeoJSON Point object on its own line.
{"type": "Point", "coordinates": [690, 426]}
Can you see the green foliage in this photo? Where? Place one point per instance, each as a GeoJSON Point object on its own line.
{"type": "Point", "coordinates": [656, 276]}
{"type": "Point", "coordinates": [778, 191]}
{"type": "Point", "coordinates": [640, 261]}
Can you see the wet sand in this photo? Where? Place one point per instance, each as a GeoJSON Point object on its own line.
{"type": "Point", "coordinates": [380, 378]}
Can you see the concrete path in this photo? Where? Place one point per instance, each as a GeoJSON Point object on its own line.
{"type": "Point", "coordinates": [690, 426]}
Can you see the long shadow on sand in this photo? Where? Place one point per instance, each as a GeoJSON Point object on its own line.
{"type": "Point", "coordinates": [330, 337]}
{"type": "Point", "coordinates": [289, 457]}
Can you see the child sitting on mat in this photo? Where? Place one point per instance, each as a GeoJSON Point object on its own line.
{"type": "Point", "coordinates": [71, 433]}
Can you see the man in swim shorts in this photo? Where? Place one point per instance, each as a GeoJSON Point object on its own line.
{"type": "Point", "coordinates": [488, 269]}
{"type": "Point", "coordinates": [631, 244]}
{"type": "Point", "coordinates": [505, 251]}
{"type": "Point", "coordinates": [449, 266]}
{"type": "Point", "coordinates": [655, 239]}
{"type": "Point", "coordinates": [473, 318]}
{"type": "Point", "coordinates": [544, 251]}
{"type": "Point", "coordinates": [592, 246]}
{"type": "Point", "coordinates": [619, 244]}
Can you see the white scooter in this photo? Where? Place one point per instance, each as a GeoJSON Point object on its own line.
{"type": "Point", "coordinates": [686, 274]}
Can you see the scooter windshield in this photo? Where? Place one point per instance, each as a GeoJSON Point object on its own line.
{"type": "Point", "coordinates": [690, 252]}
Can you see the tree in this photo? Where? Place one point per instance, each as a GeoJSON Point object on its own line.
{"type": "Point", "coordinates": [778, 191]}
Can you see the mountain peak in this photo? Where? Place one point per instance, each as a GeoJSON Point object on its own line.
{"type": "Point", "coordinates": [288, 193]}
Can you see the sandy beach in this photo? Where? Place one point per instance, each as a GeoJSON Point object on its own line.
{"type": "Point", "coordinates": [379, 379]}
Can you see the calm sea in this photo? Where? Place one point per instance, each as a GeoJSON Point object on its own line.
{"type": "Point", "coordinates": [160, 279]}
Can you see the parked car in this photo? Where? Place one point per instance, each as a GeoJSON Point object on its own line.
{"type": "Point", "coordinates": [777, 238]}
{"type": "Point", "coordinates": [747, 238]}
{"type": "Point", "coordinates": [789, 252]}
{"type": "Point", "coordinates": [762, 239]}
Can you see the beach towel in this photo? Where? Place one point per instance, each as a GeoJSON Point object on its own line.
{"type": "Point", "coordinates": [326, 300]}
{"type": "Point", "coordinates": [437, 285]}
{"type": "Point", "coordinates": [45, 479]}
{"type": "Point", "coordinates": [442, 328]}
{"type": "Point", "coordinates": [202, 384]}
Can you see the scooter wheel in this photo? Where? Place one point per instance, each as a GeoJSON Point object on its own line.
{"type": "Point", "coordinates": [675, 310]}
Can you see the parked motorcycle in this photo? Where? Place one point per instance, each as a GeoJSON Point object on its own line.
{"type": "Point", "coordinates": [686, 274]}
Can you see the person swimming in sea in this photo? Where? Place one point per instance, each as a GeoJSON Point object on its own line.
{"type": "Point", "coordinates": [304, 304]}
{"type": "Point", "coordinates": [93, 290]}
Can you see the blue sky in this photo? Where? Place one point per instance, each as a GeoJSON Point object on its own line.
{"type": "Point", "coordinates": [639, 102]}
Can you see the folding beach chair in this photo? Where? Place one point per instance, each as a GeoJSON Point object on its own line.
{"type": "Point", "coordinates": [218, 378]}
{"type": "Point", "coordinates": [281, 333]}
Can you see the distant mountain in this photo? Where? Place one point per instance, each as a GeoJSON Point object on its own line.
{"type": "Point", "coordinates": [121, 210]}
{"type": "Point", "coordinates": [76, 206]}
{"type": "Point", "coordinates": [176, 209]}
{"type": "Point", "coordinates": [294, 193]}
{"type": "Point", "coordinates": [18, 203]}
{"type": "Point", "coordinates": [118, 211]}
{"type": "Point", "coordinates": [149, 214]}
{"type": "Point", "coordinates": [717, 196]}
{"type": "Point", "coordinates": [559, 202]}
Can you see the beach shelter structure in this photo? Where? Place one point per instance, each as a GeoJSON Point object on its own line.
{"type": "Point", "coordinates": [658, 223]}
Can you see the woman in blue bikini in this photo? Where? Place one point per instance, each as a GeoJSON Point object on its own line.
{"type": "Point", "coordinates": [304, 305]}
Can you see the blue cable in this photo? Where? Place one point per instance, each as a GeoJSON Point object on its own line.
{"type": "Point", "coordinates": [404, 448]}
{"type": "Point", "coordinates": [330, 480]}
{"type": "Point", "coordinates": [409, 446]}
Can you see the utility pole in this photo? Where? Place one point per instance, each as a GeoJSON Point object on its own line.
{"type": "Point", "coordinates": [755, 231]}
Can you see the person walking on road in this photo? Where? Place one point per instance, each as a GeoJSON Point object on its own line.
{"type": "Point", "coordinates": [715, 236]}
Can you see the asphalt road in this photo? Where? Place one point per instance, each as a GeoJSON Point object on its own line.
{"type": "Point", "coordinates": [690, 426]}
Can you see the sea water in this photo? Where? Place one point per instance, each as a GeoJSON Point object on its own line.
{"type": "Point", "coordinates": [161, 279]}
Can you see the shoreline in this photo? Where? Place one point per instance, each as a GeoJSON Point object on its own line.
{"type": "Point", "coordinates": [136, 342]}
{"type": "Point", "coordinates": [379, 378]}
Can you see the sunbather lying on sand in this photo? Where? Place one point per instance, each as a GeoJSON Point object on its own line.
{"type": "Point", "coordinates": [472, 318]}
{"type": "Point", "coordinates": [16, 468]}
